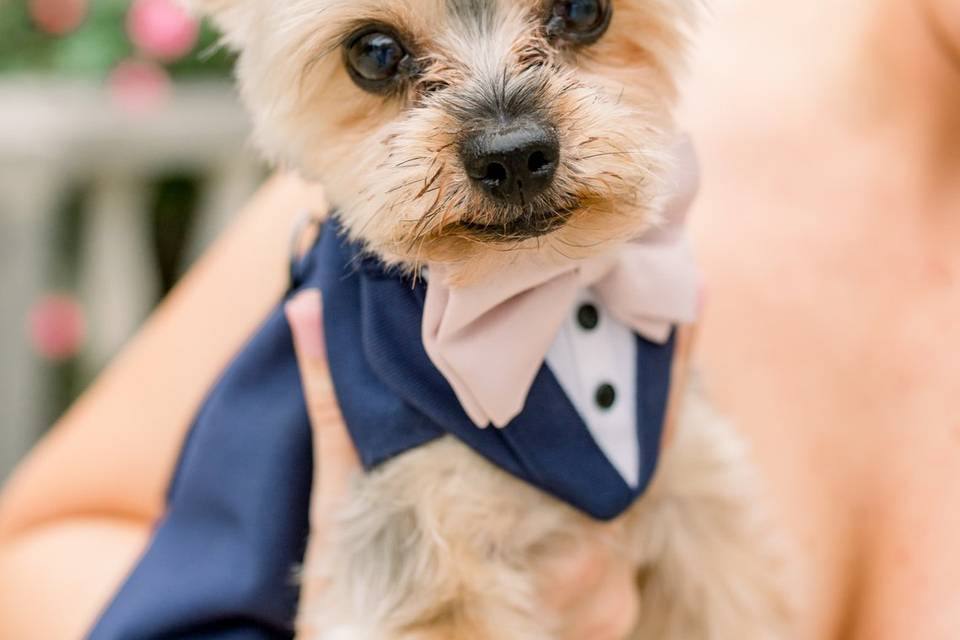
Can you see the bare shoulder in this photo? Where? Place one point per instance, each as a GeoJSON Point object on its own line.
{"type": "Point", "coordinates": [835, 366]}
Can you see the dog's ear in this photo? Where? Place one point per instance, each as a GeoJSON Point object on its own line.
{"type": "Point", "coordinates": [232, 17]}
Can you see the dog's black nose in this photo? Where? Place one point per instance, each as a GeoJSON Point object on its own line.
{"type": "Point", "coordinates": [514, 163]}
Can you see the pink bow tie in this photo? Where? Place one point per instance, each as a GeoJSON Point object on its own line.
{"type": "Point", "coordinates": [490, 339]}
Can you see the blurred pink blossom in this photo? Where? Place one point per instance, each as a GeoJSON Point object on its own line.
{"type": "Point", "coordinates": [139, 86]}
{"type": "Point", "coordinates": [56, 326]}
{"type": "Point", "coordinates": [58, 17]}
{"type": "Point", "coordinates": [162, 29]}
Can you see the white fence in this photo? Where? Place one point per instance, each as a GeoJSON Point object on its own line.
{"type": "Point", "coordinates": [55, 134]}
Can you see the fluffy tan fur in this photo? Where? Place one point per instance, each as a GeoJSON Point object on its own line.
{"type": "Point", "coordinates": [438, 544]}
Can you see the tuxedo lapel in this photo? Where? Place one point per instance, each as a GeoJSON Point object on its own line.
{"type": "Point", "coordinates": [654, 372]}
{"type": "Point", "coordinates": [561, 456]}
{"type": "Point", "coordinates": [363, 363]}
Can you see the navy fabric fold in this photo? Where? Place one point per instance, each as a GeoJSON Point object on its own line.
{"type": "Point", "coordinates": [221, 562]}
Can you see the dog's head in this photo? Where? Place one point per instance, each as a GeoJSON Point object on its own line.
{"type": "Point", "coordinates": [450, 130]}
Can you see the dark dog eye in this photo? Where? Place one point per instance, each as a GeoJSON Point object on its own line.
{"type": "Point", "coordinates": [579, 21]}
{"type": "Point", "coordinates": [374, 58]}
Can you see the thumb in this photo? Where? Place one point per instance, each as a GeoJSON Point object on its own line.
{"type": "Point", "coordinates": [335, 458]}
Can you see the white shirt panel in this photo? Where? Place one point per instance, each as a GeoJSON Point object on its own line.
{"type": "Point", "coordinates": [584, 359]}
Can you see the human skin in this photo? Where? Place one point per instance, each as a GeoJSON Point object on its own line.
{"type": "Point", "coordinates": [828, 228]}
{"type": "Point", "coordinates": [945, 14]}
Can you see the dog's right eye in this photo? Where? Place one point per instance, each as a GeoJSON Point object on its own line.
{"type": "Point", "coordinates": [374, 59]}
{"type": "Point", "coordinates": [579, 21]}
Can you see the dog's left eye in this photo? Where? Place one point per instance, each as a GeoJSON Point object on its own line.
{"type": "Point", "coordinates": [579, 21]}
{"type": "Point", "coordinates": [374, 59]}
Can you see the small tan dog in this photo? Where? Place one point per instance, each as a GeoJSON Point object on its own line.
{"type": "Point", "coordinates": [382, 101]}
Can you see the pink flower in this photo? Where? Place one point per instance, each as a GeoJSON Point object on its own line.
{"type": "Point", "coordinates": [139, 86]}
{"type": "Point", "coordinates": [56, 326]}
{"type": "Point", "coordinates": [58, 17]}
{"type": "Point", "coordinates": [161, 29]}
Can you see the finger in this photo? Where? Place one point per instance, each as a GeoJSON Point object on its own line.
{"type": "Point", "coordinates": [335, 458]}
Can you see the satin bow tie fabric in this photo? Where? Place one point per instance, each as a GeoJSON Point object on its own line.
{"type": "Point", "coordinates": [489, 339]}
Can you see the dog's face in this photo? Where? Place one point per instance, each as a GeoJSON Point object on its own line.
{"type": "Point", "coordinates": [451, 130]}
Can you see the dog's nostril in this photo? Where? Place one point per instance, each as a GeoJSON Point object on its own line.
{"type": "Point", "coordinates": [538, 161]}
{"type": "Point", "coordinates": [495, 175]}
{"type": "Point", "coordinates": [512, 163]}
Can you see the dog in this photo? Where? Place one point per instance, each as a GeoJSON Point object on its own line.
{"type": "Point", "coordinates": [460, 134]}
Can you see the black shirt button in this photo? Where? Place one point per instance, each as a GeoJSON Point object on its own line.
{"type": "Point", "coordinates": [588, 316]}
{"type": "Point", "coordinates": [605, 396]}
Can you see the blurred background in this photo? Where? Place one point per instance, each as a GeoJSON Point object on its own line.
{"type": "Point", "coordinates": [123, 149]}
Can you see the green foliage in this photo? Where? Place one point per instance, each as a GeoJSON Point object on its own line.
{"type": "Point", "coordinates": [94, 48]}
